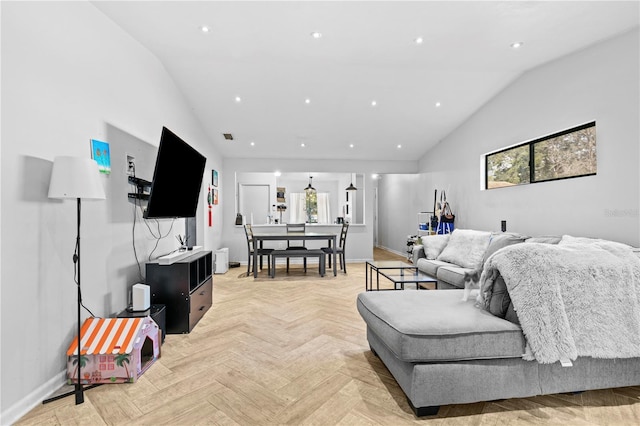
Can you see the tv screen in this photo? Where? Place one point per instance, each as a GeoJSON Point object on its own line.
{"type": "Point", "coordinates": [177, 179]}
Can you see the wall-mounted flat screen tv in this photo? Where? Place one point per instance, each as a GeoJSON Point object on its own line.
{"type": "Point", "coordinates": [177, 179]}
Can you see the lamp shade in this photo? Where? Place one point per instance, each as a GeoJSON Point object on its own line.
{"type": "Point", "coordinates": [351, 187]}
{"type": "Point", "coordinates": [309, 187]}
{"type": "Point", "coordinates": [75, 177]}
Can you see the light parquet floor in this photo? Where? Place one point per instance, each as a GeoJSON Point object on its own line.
{"type": "Point", "coordinates": [293, 351]}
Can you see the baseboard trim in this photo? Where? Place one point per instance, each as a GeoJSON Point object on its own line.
{"type": "Point", "coordinates": [29, 402]}
{"type": "Point", "coordinates": [399, 253]}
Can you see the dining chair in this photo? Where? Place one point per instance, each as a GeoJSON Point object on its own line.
{"type": "Point", "coordinates": [299, 245]}
{"type": "Point", "coordinates": [340, 249]}
{"type": "Point", "coordinates": [248, 230]}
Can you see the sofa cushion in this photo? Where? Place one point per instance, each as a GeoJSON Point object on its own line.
{"type": "Point", "coordinates": [424, 326]}
{"type": "Point", "coordinates": [453, 275]}
{"type": "Point", "coordinates": [502, 240]}
{"type": "Point", "coordinates": [466, 248]}
{"type": "Point", "coordinates": [500, 303]}
{"type": "Point", "coordinates": [430, 267]}
{"type": "Point", "coordinates": [434, 244]}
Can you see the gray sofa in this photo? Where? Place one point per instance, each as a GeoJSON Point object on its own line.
{"type": "Point", "coordinates": [444, 350]}
{"type": "Point", "coordinates": [449, 257]}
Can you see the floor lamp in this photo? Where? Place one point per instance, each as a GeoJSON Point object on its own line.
{"type": "Point", "coordinates": [79, 178]}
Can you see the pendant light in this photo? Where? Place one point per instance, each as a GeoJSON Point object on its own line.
{"type": "Point", "coordinates": [351, 187]}
{"type": "Point", "coordinates": [309, 187]}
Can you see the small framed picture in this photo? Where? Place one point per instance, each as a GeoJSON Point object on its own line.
{"type": "Point", "coordinates": [100, 153]}
{"type": "Point", "coordinates": [214, 178]}
{"type": "Point", "coordinates": [215, 196]}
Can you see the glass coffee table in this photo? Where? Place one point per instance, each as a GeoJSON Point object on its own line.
{"type": "Point", "coordinates": [398, 272]}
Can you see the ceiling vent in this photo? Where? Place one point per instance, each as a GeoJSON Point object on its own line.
{"type": "Point", "coordinates": [228, 136]}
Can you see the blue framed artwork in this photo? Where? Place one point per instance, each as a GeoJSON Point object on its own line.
{"type": "Point", "coordinates": [214, 178]}
{"type": "Point", "coordinates": [100, 153]}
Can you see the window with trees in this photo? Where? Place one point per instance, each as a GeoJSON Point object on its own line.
{"type": "Point", "coordinates": [567, 154]}
{"type": "Point", "coordinates": [310, 207]}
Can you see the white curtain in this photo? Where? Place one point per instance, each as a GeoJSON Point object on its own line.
{"type": "Point", "coordinates": [298, 212]}
{"type": "Point", "coordinates": [298, 207]}
{"type": "Point", "coordinates": [324, 210]}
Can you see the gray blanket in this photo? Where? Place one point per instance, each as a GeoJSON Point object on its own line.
{"type": "Point", "coordinates": [580, 297]}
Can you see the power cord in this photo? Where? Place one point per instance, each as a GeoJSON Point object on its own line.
{"type": "Point", "coordinates": [159, 237]}
{"type": "Point", "coordinates": [75, 279]}
{"type": "Point", "coordinates": [133, 241]}
{"type": "Point", "coordinates": [156, 234]}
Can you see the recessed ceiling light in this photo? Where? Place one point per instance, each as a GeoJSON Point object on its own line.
{"type": "Point", "coordinates": [277, 173]}
{"type": "Point", "coordinates": [399, 146]}
{"type": "Point", "coordinates": [238, 99]}
{"type": "Point", "coordinates": [302, 145]}
{"type": "Point", "coordinates": [204, 29]}
{"type": "Point", "coordinates": [307, 101]}
{"type": "Point", "coordinates": [374, 176]}
{"type": "Point", "coordinates": [516, 45]}
{"type": "Point", "coordinates": [350, 145]}
{"type": "Point", "coordinates": [438, 104]}
{"type": "Point", "coordinates": [374, 103]}
{"type": "Point", "coordinates": [419, 40]}
{"type": "Point", "coordinates": [252, 143]}
{"type": "Point", "coordinates": [316, 34]}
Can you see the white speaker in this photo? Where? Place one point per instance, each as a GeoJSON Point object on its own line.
{"type": "Point", "coordinates": [141, 297]}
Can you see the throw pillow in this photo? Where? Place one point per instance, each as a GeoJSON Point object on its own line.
{"type": "Point", "coordinates": [466, 248]}
{"type": "Point", "coordinates": [501, 240]}
{"type": "Point", "coordinates": [434, 244]}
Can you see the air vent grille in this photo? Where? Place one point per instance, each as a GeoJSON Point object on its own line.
{"type": "Point", "coordinates": [228, 136]}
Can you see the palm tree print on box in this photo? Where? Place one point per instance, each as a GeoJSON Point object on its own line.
{"type": "Point", "coordinates": [121, 361]}
{"type": "Point", "coordinates": [83, 364]}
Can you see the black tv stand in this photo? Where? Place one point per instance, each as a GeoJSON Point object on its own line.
{"type": "Point", "coordinates": [185, 287]}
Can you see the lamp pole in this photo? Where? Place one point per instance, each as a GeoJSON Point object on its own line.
{"type": "Point", "coordinates": [76, 258]}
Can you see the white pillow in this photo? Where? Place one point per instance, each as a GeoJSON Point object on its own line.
{"type": "Point", "coordinates": [466, 248]}
{"type": "Point", "coordinates": [434, 244]}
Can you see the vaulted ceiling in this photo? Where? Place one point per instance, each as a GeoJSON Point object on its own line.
{"type": "Point", "coordinates": [353, 79]}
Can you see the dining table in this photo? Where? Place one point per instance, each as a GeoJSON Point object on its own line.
{"type": "Point", "coordinates": [260, 237]}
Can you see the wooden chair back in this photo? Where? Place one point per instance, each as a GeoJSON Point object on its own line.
{"type": "Point", "coordinates": [296, 227]}
{"type": "Point", "coordinates": [343, 235]}
{"type": "Point", "coordinates": [248, 230]}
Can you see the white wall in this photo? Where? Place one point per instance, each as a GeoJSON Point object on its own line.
{"type": "Point", "coordinates": [599, 83]}
{"type": "Point", "coordinates": [69, 75]}
{"type": "Point", "coordinates": [1, 416]}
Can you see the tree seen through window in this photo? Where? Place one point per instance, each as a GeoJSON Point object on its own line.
{"type": "Point", "coordinates": [571, 153]}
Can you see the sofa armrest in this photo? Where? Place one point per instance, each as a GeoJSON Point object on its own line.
{"type": "Point", "coordinates": [417, 253]}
